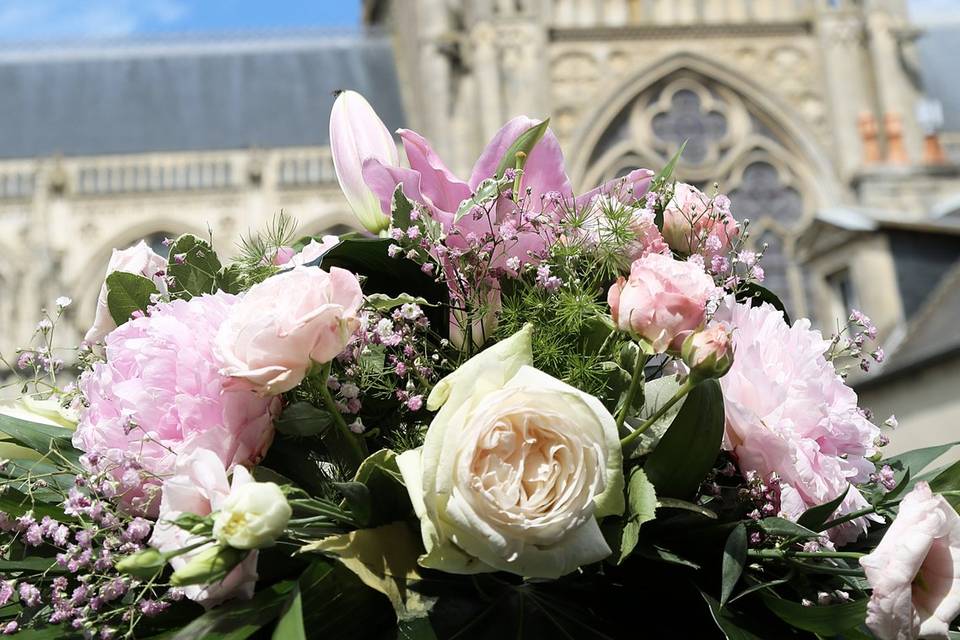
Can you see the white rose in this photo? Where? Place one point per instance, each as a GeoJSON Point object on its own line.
{"type": "Point", "coordinates": [252, 516]}
{"type": "Point", "coordinates": [516, 468]}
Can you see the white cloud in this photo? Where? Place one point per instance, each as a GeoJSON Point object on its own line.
{"type": "Point", "coordinates": [935, 11]}
{"type": "Point", "coordinates": [50, 19]}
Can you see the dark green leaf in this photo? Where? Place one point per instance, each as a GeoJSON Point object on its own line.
{"type": "Point", "coordinates": [689, 448]}
{"type": "Point", "coordinates": [127, 293]}
{"type": "Point", "coordinates": [31, 565]}
{"type": "Point", "coordinates": [16, 504]}
{"type": "Point", "coordinates": [357, 497]}
{"type": "Point", "coordinates": [830, 620]}
{"type": "Point", "coordinates": [400, 208]}
{"type": "Point", "coordinates": [194, 266]}
{"type": "Point", "coordinates": [239, 619]}
{"type": "Point", "coordinates": [290, 625]}
{"type": "Point", "coordinates": [728, 624]}
{"type": "Point", "coordinates": [785, 528]}
{"type": "Point", "coordinates": [673, 503]}
{"type": "Point", "coordinates": [918, 459]}
{"type": "Point", "coordinates": [36, 436]}
{"type": "Point", "coordinates": [948, 480]}
{"type": "Point", "coordinates": [815, 517]}
{"type": "Point", "coordinates": [416, 629]}
{"type": "Point", "coordinates": [757, 294]}
{"type": "Point", "coordinates": [57, 632]}
{"type": "Point", "coordinates": [336, 604]}
{"type": "Point", "coordinates": [228, 279]}
{"type": "Point", "coordinates": [389, 499]}
{"type": "Point", "coordinates": [304, 419]}
{"type": "Point", "coordinates": [734, 560]}
{"type": "Point", "coordinates": [524, 143]}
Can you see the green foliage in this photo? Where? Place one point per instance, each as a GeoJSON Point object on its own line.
{"type": "Point", "coordinates": [194, 267]}
{"type": "Point", "coordinates": [831, 620]}
{"type": "Point", "coordinates": [641, 507]}
{"type": "Point", "coordinates": [734, 561]}
{"type": "Point", "coordinates": [127, 293]}
{"type": "Point", "coordinates": [757, 294]}
{"type": "Point", "coordinates": [290, 626]}
{"type": "Point", "coordinates": [815, 517]}
{"type": "Point", "coordinates": [303, 419]}
{"type": "Point", "coordinates": [524, 144]}
{"type": "Point", "coordinates": [689, 448]}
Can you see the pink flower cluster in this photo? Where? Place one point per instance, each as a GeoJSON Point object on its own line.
{"type": "Point", "coordinates": [160, 394]}
{"type": "Point", "coordinates": [788, 412]}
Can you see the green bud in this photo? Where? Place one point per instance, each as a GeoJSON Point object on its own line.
{"type": "Point", "coordinates": [143, 564]}
{"type": "Point", "coordinates": [209, 566]}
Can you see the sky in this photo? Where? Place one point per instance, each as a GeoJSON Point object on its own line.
{"type": "Point", "coordinates": [72, 19]}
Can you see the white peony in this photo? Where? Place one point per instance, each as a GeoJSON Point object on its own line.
{"type": "Point", "coordinates": [516, 468]}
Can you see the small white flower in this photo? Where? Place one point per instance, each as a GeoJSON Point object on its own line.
{"type": "Point", "coordinates": [410, 311]}
{"type": "Point", "coordinates": [891, 422]}
{"type": "Point", "coordinates": [252, 516]}
{"type": "Point", "coordinates": [385, 328]}
{"type": "Point", "coordinates": [63, 302]}
{"type": "Point", "coordinates": [349, 390]}
{"type": "Point", "coordinates": [357, 426]}
{"type": "Point", "coordinates": [44, 325]}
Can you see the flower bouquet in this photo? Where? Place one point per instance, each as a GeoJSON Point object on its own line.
{"type": "Point", "coordinates": [508, 410]}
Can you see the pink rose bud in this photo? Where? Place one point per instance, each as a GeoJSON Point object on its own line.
{"type": "Point", "coordinates": [284, 324]}
{"type": "Point", "coordinates": [662, 301]}
{"type": "Point", "coordinates": [708, 353]}
{"type": "Point", "coordinates": [139, 259]}
{"type": "Point", "coordinates": [283, 255]}
{"type": "Point", "coordinates": [695, 224]}
{"type": "Point", "coordinates": [357, 134]}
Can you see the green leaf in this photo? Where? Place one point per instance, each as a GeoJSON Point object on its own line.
{"type": "Point", "coordinates": [194, 266]}
{"type": "Point", "coordinates": [641, 507]}
{"type": "Point", "coordinates": [290, 625]}
{"type": "Point", "coordinates": [382, 302]}
{"type": "Point", "coordinates": [662, 178]}
{"type": "Point", "coordinates": [815, 517]}
{"type": "Point", "coordinates": [229, 279]}
{"type": "Point", "coordinates": [16, 503]}
{"type": "Point", "coordinates": [785, 528]}
{"type": "Point", "coordinates": [689, 448]}
{"type": "Point", "coordinates": [336, 604]}
{"type": "Point", "coordinates": [416, 629]}
{"type": "Point", "coordinates": [656, 394]}
{"type": "Point", "coordinates": [728, 624]}
{"type": "Point", "coordinates": [239, 619]}
{"type": "Point", "coordinates": [303, 419]}
{"type": "Point", "coordinates": [33, 435]}
{"type": "Point", "coordinates": [389, 499]}
{"type": "Point", "coordinates": [734, 560]}
{"type": "Point", "coordinates": [31, 565]}
{"type": "Point", "coordinates": [487, 191]}
{"type": "Point", "coordinates": [830, 620]}
{"type": "Point", "coordinates": [126, 293]}
{"type": "Point", "coordinates": [400, 208]}
{"type": "Point", "coordinates": [918, 459]}
{"type": "Point", "coordinates": [673, 503]}
{"type": "Point", "coordinates": [948, 480]}
{"type": "Point", "coordinates": [756, 295]}
{"type": "Point", "coordinates": [357, 498]}
{"type": "Point", "coordinates": [524, 143]}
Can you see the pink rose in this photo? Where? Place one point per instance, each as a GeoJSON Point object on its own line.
{"type": "Point", "coordinates": [139, 259]}
{"type": "Point", "coordinates": [695, 223]}
{"type": "Point", "coordinates": [286, 323]}
{"type": "Point", "coordinates": [200, 487]}
{"type": "Point", "coordinates": [915, 570]}
{"type": "Point", "coordinates": [662, 301]}
{"type": "Point", "coordinates": [789, 413]}
{"type": "Point", "coordinates": [159, 394]}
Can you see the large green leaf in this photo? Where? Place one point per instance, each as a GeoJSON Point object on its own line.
{"type": "Point", "coordinates": [757, 294]}
{"type": "Point", "coordinates": [36, 436]}
{"type": "Point", "coordinates": [194, 266]}
{"type": "Point", "coordinates": [240, 619]}
{"type": "Point", "coordinates": [948, 480]}
{"type": "Point", "coordinates": [336, 604]}
{"type": "Point", "coordinates": [290, 625]}
{"type": "Point", "coordinates": [830, 620]}
{"type": "Point", "coordinates": [917, 460]}
{"type": "Point", "coordinates": [31, 565]}
{"type": "Point", "coordinates": [786, 529]}
{"type": "Point", "coordinates": [728, 623]}
{"type": "Point", "coordinates": [734, 560]}
{"type": "Point", "coordinates": [389, 499]}
{"type": "Point", "coordinates": [15, 503]}
{"type": "Point", "coordinates": [524, 143]}
{"type": "Point", "coordinates": [656, 394]}
{"type": "Point", "coordinates": [689, 448]}
{"type": "Point", "coordinates": [127, 293]}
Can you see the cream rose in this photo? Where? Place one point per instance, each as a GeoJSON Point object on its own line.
{"type": "Point", "coordinates": [516, 468]}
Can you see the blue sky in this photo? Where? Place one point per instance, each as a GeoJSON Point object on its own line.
{"type": "Point", "coordinates": [66, 19]}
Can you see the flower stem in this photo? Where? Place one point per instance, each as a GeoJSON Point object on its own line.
{"type": "Point", "coordinates": [786, 553]}
{"type": "Point", "coordinates": [684, 389]}
{"type": "Point", "coordinates": [355, 448]}
{"type": "Point", "coordinates": [636, 383]}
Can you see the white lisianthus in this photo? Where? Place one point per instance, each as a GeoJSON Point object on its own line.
{"type": "Point", "coordinates": [252, 516]}
{"type": "Point", "coordinates": [515, 470]}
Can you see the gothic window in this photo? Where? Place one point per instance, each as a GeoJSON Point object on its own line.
{"type": "Point", "coordinates": [687, 120]}
{"type": "Point", "coordinates": [762, 194]}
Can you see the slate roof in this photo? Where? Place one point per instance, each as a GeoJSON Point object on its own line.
{"type": "Point", "coordinates": [188, 93]}
{"type": "Point", "coordinates": [933, 333]}
{"type": "Point", "coordinates": [939, 49]}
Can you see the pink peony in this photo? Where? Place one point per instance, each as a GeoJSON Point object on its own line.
{"type": "Point", "coordinates": [160, 394]}
{"type": "Point", "coordinates": [199, 486]}
{"type": "Point", "coordinates": [284, 324]}
{"type": "Point", "coordinates": [788, 412]}
{"type": "Point", "coordinates": [663, 300]}
{"type": "Point", "coordinates": [139, 259]}
{"type": "Point", "coordinates": [915, 570]}
{"type": "Point", "coordinates": [693, 223]}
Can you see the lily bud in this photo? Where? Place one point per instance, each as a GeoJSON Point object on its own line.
{"type": "Point", "coordinates": [209, 566]}
{"type": "Point", "coordinates": [252, 516]}
{"type": "Point", "coordinates": [143, 564]}
{"type": "Point", "coordinates": [356, 134]}
{"type": "Point", "coordinates": [708, 353]}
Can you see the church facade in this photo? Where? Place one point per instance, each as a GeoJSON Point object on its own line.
{"type": "Point", "coordinates": [832, 124]}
